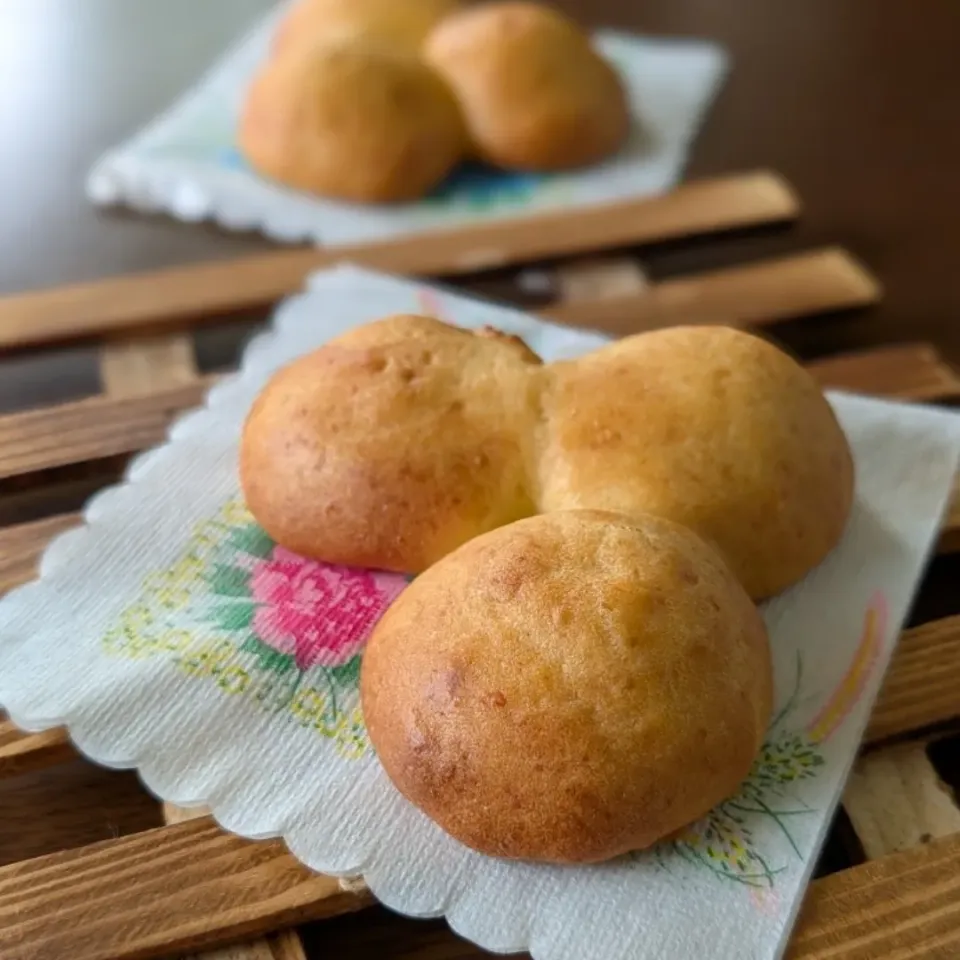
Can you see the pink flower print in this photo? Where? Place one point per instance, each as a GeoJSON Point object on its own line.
{"type": "Point", "coordinates": [317, 612]}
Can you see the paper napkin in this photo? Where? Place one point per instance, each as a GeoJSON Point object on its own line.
{"type": "Point", "coordinates": [187, 164]}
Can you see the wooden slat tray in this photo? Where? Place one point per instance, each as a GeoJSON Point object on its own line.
{"type": "Point", "coordinates": [188, 886]}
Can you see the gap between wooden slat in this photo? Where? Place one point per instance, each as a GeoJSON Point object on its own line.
{"type": "Point", "coordinates": [189, 886]}
{"type": "Point", "coordinates": [103, 426]}
{"type": "Point", "coordinates": [753, 294]}
{"type": "Point", "coordinates": [172, 297]}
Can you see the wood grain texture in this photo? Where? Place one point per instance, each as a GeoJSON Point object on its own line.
{"type": "Point", "coordinates": [754, 294]}
{"type": "Point", "coordinates": [910, 371]}
{"type": "Point", "coordinates": [191, 885]}
{"type": "Point", "coordinates": [69, 805]}
{"type": "Point", "coordinates": [145, 364]}
{"type": "Point", "coordinates": [174, 296]}
{"type": "Point", "coordinates": [285, 945]}
{"type": "Point", "coordinates": [90, 429]}
{"type": "Point", "coordinates": [922, 685]}
{"type": "Point", "coordinates": [901, 907]}
{"type": "Point", "coordinates": [21, 547]}
{"type": "Point", "coordinates": [896, 800]}
{"type": "Point", "coordinates": [171, 890]}
{"type": "Point", "coordinates": [21, 752]}
{"type": "Point", "coordinates": [105, 426]}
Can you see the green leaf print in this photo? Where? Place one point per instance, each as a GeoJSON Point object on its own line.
{"type": "Point", "coordinates": [227, 581]}
{"type": "Point", "coordinates": [233, 616]}
{"type": "Point", "coordinates": [347, 674]}
{"type": "Point", "coordinates": [252, 541]}
{"type": "Point", "coordinates": [269, 658]}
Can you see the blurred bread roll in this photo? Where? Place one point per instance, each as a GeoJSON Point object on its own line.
{"type": "Point", "coordinates": [402, 23]}
{"type": "Point", "coordinates": [535, 94]}
{"type": "Point", "coordinates": [713, 428]}
{"type": "Point", "coordinates": [570, 687]}
{"type": "Point", "coordinates": [392, 445]}
{"type": "Point", "coordinates": [354, 121]}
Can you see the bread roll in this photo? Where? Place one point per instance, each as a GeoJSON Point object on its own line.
{"type": "Point", "coordinates": [570, 687]}
{"type": "Point", "coordinates": [355, 121]}
{"type": "Point", "coordinates": [535, 94]}
{"type": "Point", "coordinates": [392, 445]}
{"type": "Point", "coordinates": [400, 23]}
{"type": "Point", "coordinates": [397, 443]}
{"type": "Point", "coordinates": [713, 428]}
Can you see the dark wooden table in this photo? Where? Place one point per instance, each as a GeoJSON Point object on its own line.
{"type": "Point", "coordinates": [856, 101]}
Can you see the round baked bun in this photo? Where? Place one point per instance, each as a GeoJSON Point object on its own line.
{"type": "Point", "coordinates": [354, 121]}
{"type": "Point", "coordinates": [710, 427]}
{"type": "Point", "coordinates": [393, 444]}
{"type": "Point", "coordinates": [535, 94]}
{"type": "Point", "coordinates": [402, 23]}
{"type": "Point", "coordinates": [570, 687]}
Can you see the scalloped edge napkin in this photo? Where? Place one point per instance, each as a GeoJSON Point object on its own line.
{"type": "Point", "coordinates": [171, 635]}
{"type": "Point", "coordinates": [186, 163]}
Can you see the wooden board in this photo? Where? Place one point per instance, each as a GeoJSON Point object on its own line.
{"type": "Point", "coordinates": [193, 293]}
{"type": "Point", "coordinates": [189, 886]}
{"type": "Point", "coordinates": [756, 294]}
{"type": "Point", "coordinates": [178, 888]}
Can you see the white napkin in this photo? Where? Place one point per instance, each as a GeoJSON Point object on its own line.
{"type": "Point", "coordinates": [186, 162]}
{"type": "Point", "coordinates": [171, 635]}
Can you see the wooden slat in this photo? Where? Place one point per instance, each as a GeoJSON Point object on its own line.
{"type": "Point", "coordinates": [167, 891]}
{"type": "Point", "coordinates": [189, 886]}
{"type": "Point", "coordinates": [910, 371]}
{"type": "Point", "coordinates": [758, 293]}
{"type": "Point", "coordinates": [196, 292]}
{"type": "Point", "coordinates": [21, 752]}
{"type": "Point", "coordinates": [103, 426]}
{"type": "Point", "coordinates": [901, 907]}
{"type": "Point", "coordinates": [90, 429]}
{"type": "Point", "coordinates": [950, 535]}
{"type": "Point", "coordinates": [22, 545]}
{"type": "Point", "coordinates": [139, 365]}
{"type": "Point", "coordinates": [599, 278]}
{"type": "Point", "coordinates": [896, 800]}
{"type": "Point", "coordinates": [923, 685]}
{"type": "Point", "coordinates": [284, 945]}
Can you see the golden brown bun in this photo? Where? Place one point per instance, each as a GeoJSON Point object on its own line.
{"type": "Point", "coordinates": [393, 444]}
{"type": "Point", "coordinates": [535, 94]}
{"type": "Point", "coordinates": [402, 23]}
{"type": "Point", "coordinates": [712, 428]}
{"type": "Point", "coordinates": [355, 121]}
{"type": "Point", "coordinates": [570, 687]}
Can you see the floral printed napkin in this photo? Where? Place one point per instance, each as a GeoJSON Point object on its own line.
{"type": "Point", "coordinates": [172, 635]}
{"type": "Point", "coordinates": [186, 162]}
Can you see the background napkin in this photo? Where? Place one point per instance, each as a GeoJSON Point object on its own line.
{"type": "Point", "coordinates": [171, 634]}
{"type": "Point", "coordinates": [186, 162]}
